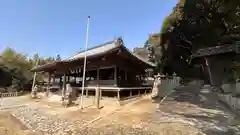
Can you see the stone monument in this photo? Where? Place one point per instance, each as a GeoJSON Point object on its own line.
{"type": "Point", "coordinates": [34, 92]}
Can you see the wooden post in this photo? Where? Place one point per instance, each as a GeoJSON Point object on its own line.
{"type": "Point", "coordinates": [48, 85]}
{"type": "Point", "coordinates": [100, 94]}
{"type": "Point", "coordinates": [118, 95]}
{"type": "Point", "coordinates": [130, 93]}
{"type": "Point", "coordinates": [86, 92]}
{"type": "Point", "coordinates": [98, 74]}
{"type": "Point", "coordinates": [64, 86]}
{"type": "Point", "coordinates": [138, 92]}
{"type": "Point", "coordinates": [97, 96]}
{"type": "Point", "coordinates": [68, 78]}
{"type": "Point", "coordinates": [34, 76]}
{"type": "Point", "coordinates": [115, 75]}
{"type": "Point", "coordinates": [54, 79]}
{"type": "Point", "coordinates": [125, 75]}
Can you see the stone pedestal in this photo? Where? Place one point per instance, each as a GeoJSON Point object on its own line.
{"type": "Point", "coordinates": [236, 93]}
{"type": "Point", "coordinates": [228, 88]}
{"type": "Point", "coordinates": [34, 92]}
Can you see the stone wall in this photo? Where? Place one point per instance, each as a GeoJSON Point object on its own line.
{"type": "Point", "coordinates": [231, 98]}
{"type": "Point", "coordinates": [167, 85]}
{"type": "Point", "coordinates": [233, 102]}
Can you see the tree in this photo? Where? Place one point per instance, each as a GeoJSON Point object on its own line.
{"type": "Point", "coordinates": [15, 69]}
{"type": "Point", "coordinates": [58, 58]}
{"type": "Point", "coordinates": [198, 24]}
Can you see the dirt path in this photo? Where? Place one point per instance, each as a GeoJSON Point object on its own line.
{"type": "Point", "coordinates": [186, 111]}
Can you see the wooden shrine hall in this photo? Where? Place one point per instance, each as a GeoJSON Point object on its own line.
{"type": "Point", "coordinates": [110, 66]}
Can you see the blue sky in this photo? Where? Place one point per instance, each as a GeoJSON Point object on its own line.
{"type": "Point", "coordinates": [51, 27]}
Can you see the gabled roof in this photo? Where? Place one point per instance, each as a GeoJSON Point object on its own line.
{"type": "Point", "coordinates": [94, 52]}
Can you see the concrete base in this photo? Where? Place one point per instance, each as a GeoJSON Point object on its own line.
{"type": "Point", "coordinates": [228, 88]}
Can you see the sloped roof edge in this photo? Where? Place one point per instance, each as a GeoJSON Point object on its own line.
{"type": "Point", "coordinates": [97, 50]}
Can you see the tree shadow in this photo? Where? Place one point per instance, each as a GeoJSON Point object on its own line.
{"type": "Point", "coordinates": [200, 106]}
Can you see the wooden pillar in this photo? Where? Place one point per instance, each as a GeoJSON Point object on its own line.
{"type": "Point", "coordinates": [97, 96]}
{"type": "Point", "coordinates": [115, 75]}
{"type": "Point", "coordinates": [98, 70]}
{"type": "Point", "coordinates": [68, 78]}
{"type": "Point", "coordinates": [125, 75]}
{"type": "Point", "coordinates": [53, 79]}
{"type": "Point", "coordinates": [100, 94]}
{"type": "Point", "coordinates": [48, 85]}
{"type": "Point", "coordinates": [130, 93]}
{"type": "Point", "coordinates": [86, 92]}
{"type": "Point", "coordinates": [118, 95]}
{"type": "Point", "coordinates": [64, 85]}
{"type": "Point", "coordinates": [138, 92]}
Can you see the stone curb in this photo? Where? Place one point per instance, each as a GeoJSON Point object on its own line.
{"type": "Point", "coordinates": [9, 107]}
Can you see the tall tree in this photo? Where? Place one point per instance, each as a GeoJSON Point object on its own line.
{"type": "Point", "coordinates": [198, 24]}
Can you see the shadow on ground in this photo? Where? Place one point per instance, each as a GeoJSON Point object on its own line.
{"type": "Point", "coordinates": [201, 107]}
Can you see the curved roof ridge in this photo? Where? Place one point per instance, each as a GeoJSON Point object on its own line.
{"type": "Point", "coordinates": [140, 58]}
{"type": "Point", "coordinates": [94, 47]}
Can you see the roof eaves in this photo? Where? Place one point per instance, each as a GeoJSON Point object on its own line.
{"type": "Point", "coordinates": [140, 58]}
{"type": "Point", "coordinates": [110, 42]}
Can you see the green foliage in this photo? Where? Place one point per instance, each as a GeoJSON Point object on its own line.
{"type": "Point", "coordinates": [197, 24]}
{"type": "Point", "coordinates": [15, 69]}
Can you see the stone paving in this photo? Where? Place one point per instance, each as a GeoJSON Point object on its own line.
{"type": "Point", "coordinates": [36, 120]}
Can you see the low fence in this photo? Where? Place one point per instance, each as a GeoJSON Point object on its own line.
{"type": "Point", "coordinates": [167, 85]}
{"type": "Point", "coordinates": [11, 94]}
{"type": "Point", "coordinates": [231, 97]}
{"type": "Point", "coordinates": [231, 101]}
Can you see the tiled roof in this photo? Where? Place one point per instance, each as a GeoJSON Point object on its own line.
{"type": "Point", "coordinates": [215, 50]}
{"type": "Point", "coordinates": [95, 51]}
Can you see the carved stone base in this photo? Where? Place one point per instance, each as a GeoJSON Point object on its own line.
{"type": "Point", "coordinates": [34, 94]}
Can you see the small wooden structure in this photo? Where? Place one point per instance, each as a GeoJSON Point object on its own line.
{"type": "Point", "coordinates": [111, 66]}
{"type": "Point", "coordinates": [214, 61]}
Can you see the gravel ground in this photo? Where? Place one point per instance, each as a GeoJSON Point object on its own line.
{"type": "Point", "coordinates": [12, 101]}
{"type": "Point", "coordinates": [186, 111]}
{"type": "Point", "coordinates": [36, 120]}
